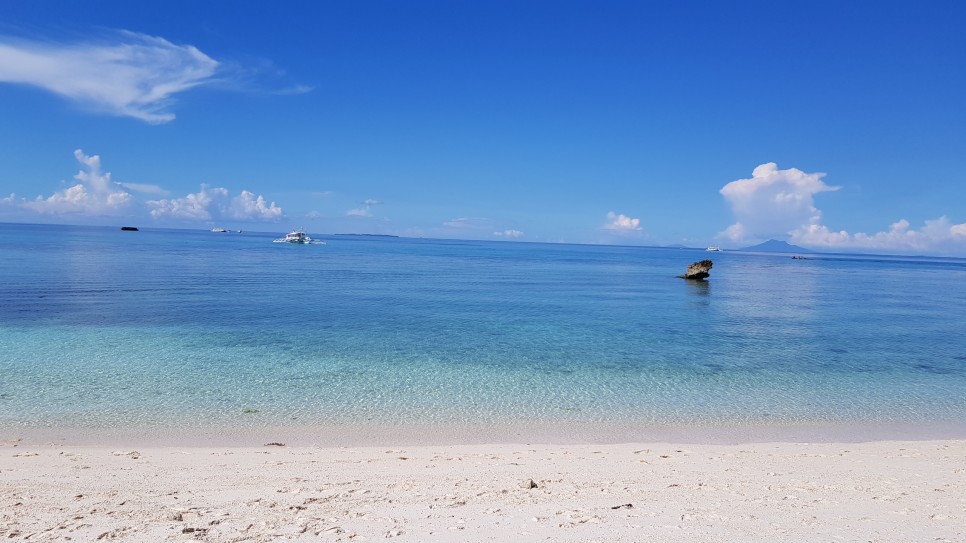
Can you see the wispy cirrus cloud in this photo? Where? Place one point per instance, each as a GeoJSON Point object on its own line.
{"type": "Point", "coordinates": [468, 223]}
{"type": "Point", "coordinates": [365, 210]}
{"type": "Point", "coordinates": [295, 90]}
{"type": "Point", "coordinates": [145, 188]}
{"type": "Point", "coordinates": [127, 74]}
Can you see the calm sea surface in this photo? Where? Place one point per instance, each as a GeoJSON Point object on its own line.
{"type": "Point", "coordinates": [158, 329]}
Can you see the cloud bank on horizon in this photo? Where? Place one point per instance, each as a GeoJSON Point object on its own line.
{"type": "Point", "coordinates": [211, 203]}
{"type": "Point", "coordinates": [777, 203]}
{"type": "Point", "coordinates": [772, 203]}
{"type": "Point", "coordinates": [136, 77]}
{"type": "Point", "coordinates": [96, 195]}
{"type": "Point", "coordinates": [465, 228]}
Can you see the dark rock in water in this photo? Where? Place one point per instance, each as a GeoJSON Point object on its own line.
{"type": "Point", "coordinates": [698, 271]}
{"type": "Point", "coordinates": [130, 228]}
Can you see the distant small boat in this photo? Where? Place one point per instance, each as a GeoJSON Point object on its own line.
{"type": "Point", "coordinates": [713, 248]}
{"type": "Point", "coordinates": [218, 230]}
{"type": "Point", "coordinates": [298, 237]}
{"type": "Point", "coordinates": [130, 228]}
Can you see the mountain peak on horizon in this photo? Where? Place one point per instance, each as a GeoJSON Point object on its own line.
{"type": "Point", "coordinates": [776, 246]}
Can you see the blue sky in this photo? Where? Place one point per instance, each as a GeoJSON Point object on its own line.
{"type": "Point", "coordinates": [833, 125]}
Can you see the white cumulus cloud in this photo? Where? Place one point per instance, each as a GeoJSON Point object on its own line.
{"type": "Point", "coordinates": [215, 204]}
{"type": "Point", "coordinates": [938, 236]}
{"type": "Point", "coordinates": [776, 203]}
{"type": "Point", "coordinates": [509, 233]}
{"type": "Point", "coordinates": [247, 206]}
{"type": "Point", "coordinates": [196, 206]}
{"type": "Point", "coordinates": [94, 194]}
{"type": "Point", "coordinates": [622, 223]}
{"type": "Point", "coordinates": [772, 203]}
{"type": "Point", "coordinates": [136, 75]}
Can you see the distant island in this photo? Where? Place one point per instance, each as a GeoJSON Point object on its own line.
{"type": "Point", "coordinates": [370, 235]}
{"type": "Point", "coordinates": [775, 246]}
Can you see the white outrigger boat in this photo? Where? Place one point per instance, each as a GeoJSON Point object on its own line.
{"type": "Point", "coordinates": [299, 237]}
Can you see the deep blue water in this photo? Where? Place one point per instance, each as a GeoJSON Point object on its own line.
{"type": "Point", "coordinates": [101, 328]}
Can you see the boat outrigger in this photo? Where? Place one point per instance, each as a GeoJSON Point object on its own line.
{"type": "Point", "coordinates": [299, 237]}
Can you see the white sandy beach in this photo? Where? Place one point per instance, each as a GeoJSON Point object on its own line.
{"type": "Point", "coordinates": [873, 491]}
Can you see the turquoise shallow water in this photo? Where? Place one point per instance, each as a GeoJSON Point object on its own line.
{"type": "Point", "coordinates": [103, 329]}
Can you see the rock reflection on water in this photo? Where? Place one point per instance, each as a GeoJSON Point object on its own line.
{"type": "Point", "coordinates": [700, 289]}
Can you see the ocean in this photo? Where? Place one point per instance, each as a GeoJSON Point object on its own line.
{"type": "Point", "coordinates": [161, 332]}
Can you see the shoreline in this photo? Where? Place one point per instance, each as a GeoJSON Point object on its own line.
{"type": "Point", "coordinates": [882, 491]}
{"type": "Point", "coordinates": [450, 435]}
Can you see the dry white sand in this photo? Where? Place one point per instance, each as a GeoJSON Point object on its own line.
{"type": "Point", "coordinates": [874, 491]}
